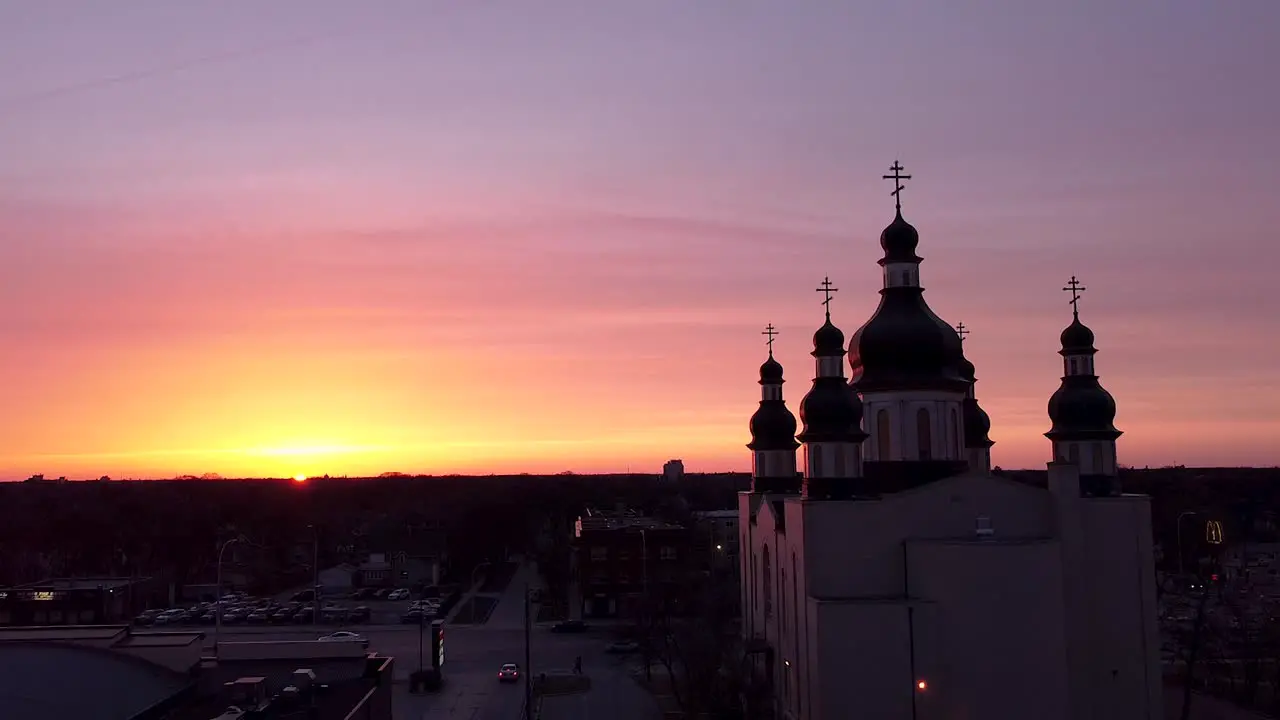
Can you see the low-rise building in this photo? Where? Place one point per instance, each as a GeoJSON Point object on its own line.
{"type": "Point", "coordinates": [80, 601]}
{"type": "Point", "coordinates": [622, 557]}
{"type": "Point", "coordinates": [116, 673]}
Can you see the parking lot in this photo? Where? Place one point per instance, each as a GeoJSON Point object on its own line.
{"type": "Point", "coordinates": [241, 609]}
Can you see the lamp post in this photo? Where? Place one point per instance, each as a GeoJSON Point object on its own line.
{"type": "Point", "coordinates": [217, 608]}
{"type": "Point", "coordinates": [315, 574]}
{"type": "Point", "coordinates": [644, 606]}
{"type": "Point", "coordinates": [1178, 525]}
{"type": "Point", "coordinates": [528, 668]}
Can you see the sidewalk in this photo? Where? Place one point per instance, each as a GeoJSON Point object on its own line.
{"type": "Point", "coordinates": [509, 614]}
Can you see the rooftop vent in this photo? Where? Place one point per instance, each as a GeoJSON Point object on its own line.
{"type": "Point", "coordinates": [982, 527]}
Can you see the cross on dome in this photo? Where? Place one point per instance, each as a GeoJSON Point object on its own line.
{"type": "Point", "coordinates": [826, 291]}
{"type": "Point", "coordinates": [772, 333]}
{"type": "Point", "coordinates": [897, 177]}
{"type": "Point", "coordinates": [1075, 288]}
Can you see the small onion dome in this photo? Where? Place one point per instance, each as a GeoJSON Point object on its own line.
{"type": "Point", "coordinates": [1077, 339]}
{"type": "Point", "coordinates": [771, 372]}
{"type": "Point", "coordinates": [977, 425]}
{"type": "Point", "coordinates": [905, 345]}
{"type": "Point", "coordinates": [773, 427]}
{"type": "Point", "coordinates": [1081, 409]}
{"type": "Point", "coordinates": [828, 340]}
{"type": "Point", "coordinates": [899, 241]}
{"type": "Point", "coordinates": [831, 413]}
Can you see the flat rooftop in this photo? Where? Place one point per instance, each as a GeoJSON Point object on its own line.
{"type": "Point", "coordinates": [85, 583]}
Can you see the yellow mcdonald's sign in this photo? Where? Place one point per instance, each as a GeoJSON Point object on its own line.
{"type": "Point", "coordinates": [1213, 532]}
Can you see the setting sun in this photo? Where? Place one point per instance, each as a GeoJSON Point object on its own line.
{"type": "Point", "coordinates": [299, 478]}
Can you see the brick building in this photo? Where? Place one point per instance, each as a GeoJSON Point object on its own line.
{"type": "Point", "coordinates": [622, 557]}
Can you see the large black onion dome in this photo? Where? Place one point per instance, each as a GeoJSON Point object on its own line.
{"type": "Point", "coordinates": [1081, 409]}
{"type": "Point", "coordinates": [828, 340]}
{"type": "Point", "coordinates": [773, 427]}
{"type": "Point", "coordinates": [771, 372]}
{"type": "Point", "coordinates": [905, 345]}
{"type": "Point", "coordinates": [1077, 338]}
{"type": "Point", "coordinates": [899, 241]}
{"type": "Point", "coordinates": [831, 413]}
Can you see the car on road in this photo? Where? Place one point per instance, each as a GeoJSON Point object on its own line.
{"type": "Point", "coordinates": [346, 636]}
{"type": "Point", "coordinates": [509, 673]}
{"type": "Point", "coordinates": [622, 647]}
{"type": "Point", "coordinates": [569, 626]}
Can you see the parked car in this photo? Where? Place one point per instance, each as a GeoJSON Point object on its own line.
{"type": "Point", "coordinates": [622, 647]}
{"type": "Point", "coordinates": [398, 594]}
{"type": "Point", "coordinates": [509, 673]}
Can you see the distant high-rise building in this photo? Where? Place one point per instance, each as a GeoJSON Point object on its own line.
{"type": "Point", "coordinates": [673, 470]}
{"type": "Point", "coordinates": [898, 578]}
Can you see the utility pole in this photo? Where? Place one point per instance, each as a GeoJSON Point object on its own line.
{"type": "Point", "coordinates": [528, 667]}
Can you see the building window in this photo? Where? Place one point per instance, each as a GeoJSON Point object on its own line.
{"type": "Point", "coordinates": [924, 434]}
{"type": "Point", "coordinates": [815, 461]}
{"type": "Point", "coordinates": [883, 445]}
{"type": "Point", "coordinates": [953, 434]}
{"type": "Point", "coordinates": [1073, 453]}
{"type": "Point", "coordinates": [667, 553]}
{"type": "Point", "coordinates": [599, 553]}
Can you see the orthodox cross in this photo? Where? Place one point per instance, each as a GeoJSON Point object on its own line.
{"type": "Point", "coordinates": [826, 291]}
{"type": "Point", "coordinates": [897, 177]}
{"type": "Point", "coordinates": [961, 330]}
{"type": "Point", "coordinates": [1075, 288]}
{"type": "Point", "coordinates": [772, 333]}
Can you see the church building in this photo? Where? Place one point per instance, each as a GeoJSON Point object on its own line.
{"type": "Point", "coordinates": [887, 574]}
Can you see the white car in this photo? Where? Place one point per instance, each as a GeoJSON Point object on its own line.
{"type": "Point", "coordinates": [400, 594]}
{"type": "Point", "coordinates": [346, 636]}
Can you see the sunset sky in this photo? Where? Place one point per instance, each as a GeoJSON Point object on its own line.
{"type": "Point", "coordinates": [260, 237]}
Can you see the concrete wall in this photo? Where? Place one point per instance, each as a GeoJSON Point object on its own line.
{"type": "Point", "coordinates": [995, 646]}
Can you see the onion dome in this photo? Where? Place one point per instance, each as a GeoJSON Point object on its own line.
{"type": "Point", "coordinates": [830, 412]}
{"type": "Point", "coordinates": [828, 341]}
{"type": "Point", "coordinates": [905, 345]}
{"type": "Point", "coordinates": [1077, 339]}
{"type": "Point", "coordinates": [977, 424]}
{"type": "Point", "coordinates": [771, 372]}
{"type": "Point", "coordinates": [1081, 409]}
{"type": "Point", "coordinates": [773, 427]}
{"type": "Point", "coordinates": [899, 241]}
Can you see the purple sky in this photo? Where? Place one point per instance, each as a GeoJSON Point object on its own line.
{"type": "Point", "coordinates": [604, 201]}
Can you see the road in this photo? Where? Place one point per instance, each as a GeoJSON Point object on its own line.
{"type": "Point", "coordinates": [473, 655]}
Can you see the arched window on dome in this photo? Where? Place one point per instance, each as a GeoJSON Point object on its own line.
{"type": "Point", "coordinates": [884, 443]}
{"type": "Point", "coordinates": [924, 434]}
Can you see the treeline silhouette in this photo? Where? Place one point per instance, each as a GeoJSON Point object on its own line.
{"type": "Point", "coordinates": [173, 528]}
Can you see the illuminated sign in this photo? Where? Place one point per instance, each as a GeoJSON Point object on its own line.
{"type": "Point", "coordinates": [42, 595]}
{"type": "Point", "coordinates": [1213, 532]}
{"type": "Point", "coordinates": [437, 644]}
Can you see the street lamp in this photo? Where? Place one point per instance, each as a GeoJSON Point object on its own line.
{"type": "Point", "coordinates": [217, 611]}
{"type": "Point", "coordinates": [315, 574]}
{"type": "Point", "coordinates": [1178, 525]}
